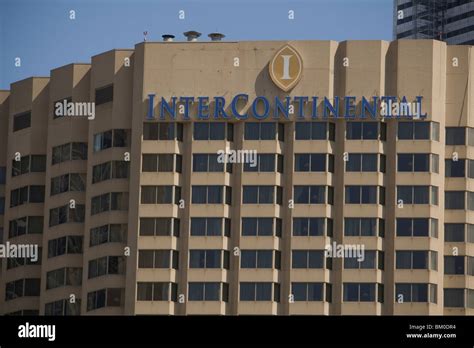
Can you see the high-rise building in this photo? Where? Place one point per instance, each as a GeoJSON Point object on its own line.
{"type": "Point", "coordinates": [135, 214]}
{"type": "Point", "coordinates": [451, 21]}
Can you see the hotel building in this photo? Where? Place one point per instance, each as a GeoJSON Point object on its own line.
{"type": "Point", "coordinates": [136, 216]}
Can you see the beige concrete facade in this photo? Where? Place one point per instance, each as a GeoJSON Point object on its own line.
{"type": "Point", "coordinates": [168, 69]}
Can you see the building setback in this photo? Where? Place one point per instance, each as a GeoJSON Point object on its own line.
{"type": "Point", "coordinates": [135, 216]}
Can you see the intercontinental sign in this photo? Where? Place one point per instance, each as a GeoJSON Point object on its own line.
{"type": "Point", "coordinates": [285, 70]}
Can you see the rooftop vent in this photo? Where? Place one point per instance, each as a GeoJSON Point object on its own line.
{"type": "Point", "coordinates": [167, 37]}
{"type": "Point", "coordinates": [216, 36]}
{"type": "Point", "coordinates": [192, 35]}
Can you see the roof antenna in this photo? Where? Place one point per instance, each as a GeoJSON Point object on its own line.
{"type": "Point", "coordinates": [145, 33]}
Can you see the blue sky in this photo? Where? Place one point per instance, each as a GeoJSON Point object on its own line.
{"type": "Point", "coordinates": [43, 36]}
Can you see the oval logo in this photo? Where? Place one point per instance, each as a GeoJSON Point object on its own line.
{"type": "Point", "coordinates": [286, 68]}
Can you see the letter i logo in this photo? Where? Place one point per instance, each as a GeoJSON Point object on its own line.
{"type": "Point", "coordinates": [286, 68]}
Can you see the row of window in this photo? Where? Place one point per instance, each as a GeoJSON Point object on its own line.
{"type": "Point", "coordinates": [304, 162]}
{"type": "Point", "coordinates": [318, 130]}
{"type": "Point", "coordinates": [302, 226]}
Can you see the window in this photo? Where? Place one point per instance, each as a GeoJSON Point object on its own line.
{"type": "Point", "coordinates": [417, 227]}
{"type": "Point", "coordinates": [109, 201]}
{"type": "Point", "coordinates": [262, 131]}
{"type": "Point", "coordinates": [364, 195]}
{"type": "Point", "coordinates": [163, 131]}
{"type": "Point", "coordinates": [27, 194]}
{"type": "Point", "coordinates": [359, 292]}
{"type": "Point", "coordinates": [261, 195]}
{"type": "Point", "coordinates": [307, 291]}
{"type": "Point", "coordinates": [362, 162]}
{"type": "Point", "coordinates": [208, 291]}
{"type": "Point", "coordinates": [110, 170]}
{"type": "Point", "coordinates": [111, 297]}
{"type": "Point", "coordinates": [210, 163]}
{"type": "Point", "coordinates": [68, 276]}
{"type": "Point", "coordinates": [210, 226]}
{"type": "Point", "coordinates": [365, 130]}
{"type": "Point", "coordinates": [312, 195]}
{"type": "Point", "coordinates": [455, 169]}
{"type": "Point", "coordinates": [104, 95]}
{"type": "Point", "coordinates": [455, 136]}
{"type": "Point", "coordinates": [315, 131]}
{"type": "Point", "coordinates": [454, 265]}
{"type": "Point", "coordinates": [159, 227]}
{"type": "Point", "coordinates": [63, 307]}
{"type": "Point", "coordinates": [68, 152]}
{"type": "Point", "coordinates": [417, 195]}
{"type": "Point", "coordinates": [250, 291]}
{"type": "Point", "coordinates": [68, 182]}
{"type": "Point", "coordinates": [13, 262]}
{"type": "Point", "coordinates": [416, 163]}
{"type": "Point", "coordinates": [261, 226]}
{"type": "Point", "coordinates": [454, 200]}
{"type": "Point", "coordinates": [158, 259]}
{"type": "Point", "coordinates": [157, 291]}
{"type": "Point", "coordinates": [3, 175]}
{"type": "Point", "coordinates": [308, 259]}
{"type": "Point", "coordinates": [311, 227]}
{"type": "Point", "coordinates": [265, 163]}
{"type": "Point", "coordinates": [454, 298]}
{"type": "Point", "coordinates": [65, 214]}
{"type": "Point", "coordinates": [212, 131]}
{"type": "Point", "coordinates": [111, 138]}
{"type": "Point", "coordinates": [211, 194]}
{"type": "Point", "coordinates": [65, 245]}
{"type": "Point", "coordinates": [106, 265]}
{"type": "Point", "coordinates": [416, 130]}
{"type": "Point", "coordinates": [161, 163]}
{"type": "Point", "coordinates": [208, 259]}
{"type": "Point", "coordinates": [21, 121]}
{"type": "Point", "coordinates": [316, 162]}
{"type": "Point", "coordinates": [27, 164]}
{"type": "Point", "coordinates": [454, 232]}
{"type": "Point", "coordinates": [22, 288]}
{"type": "Point", "coordinates": [259, 259]}
{"type": "Point", "coordinates": [409, 259]}
{"type": "Point", "coordinates": [363, 227]}
{"type": "Point", "coordinates": [26, 225]}
{"type": "Point", "coordinates": [413, 292]}
{"type": "Point", "coordinates": [160, 194]}
{"type": "Point", "coordinates": [367, 261]}
{"type": "Point", "coordinates": [113, 233]}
